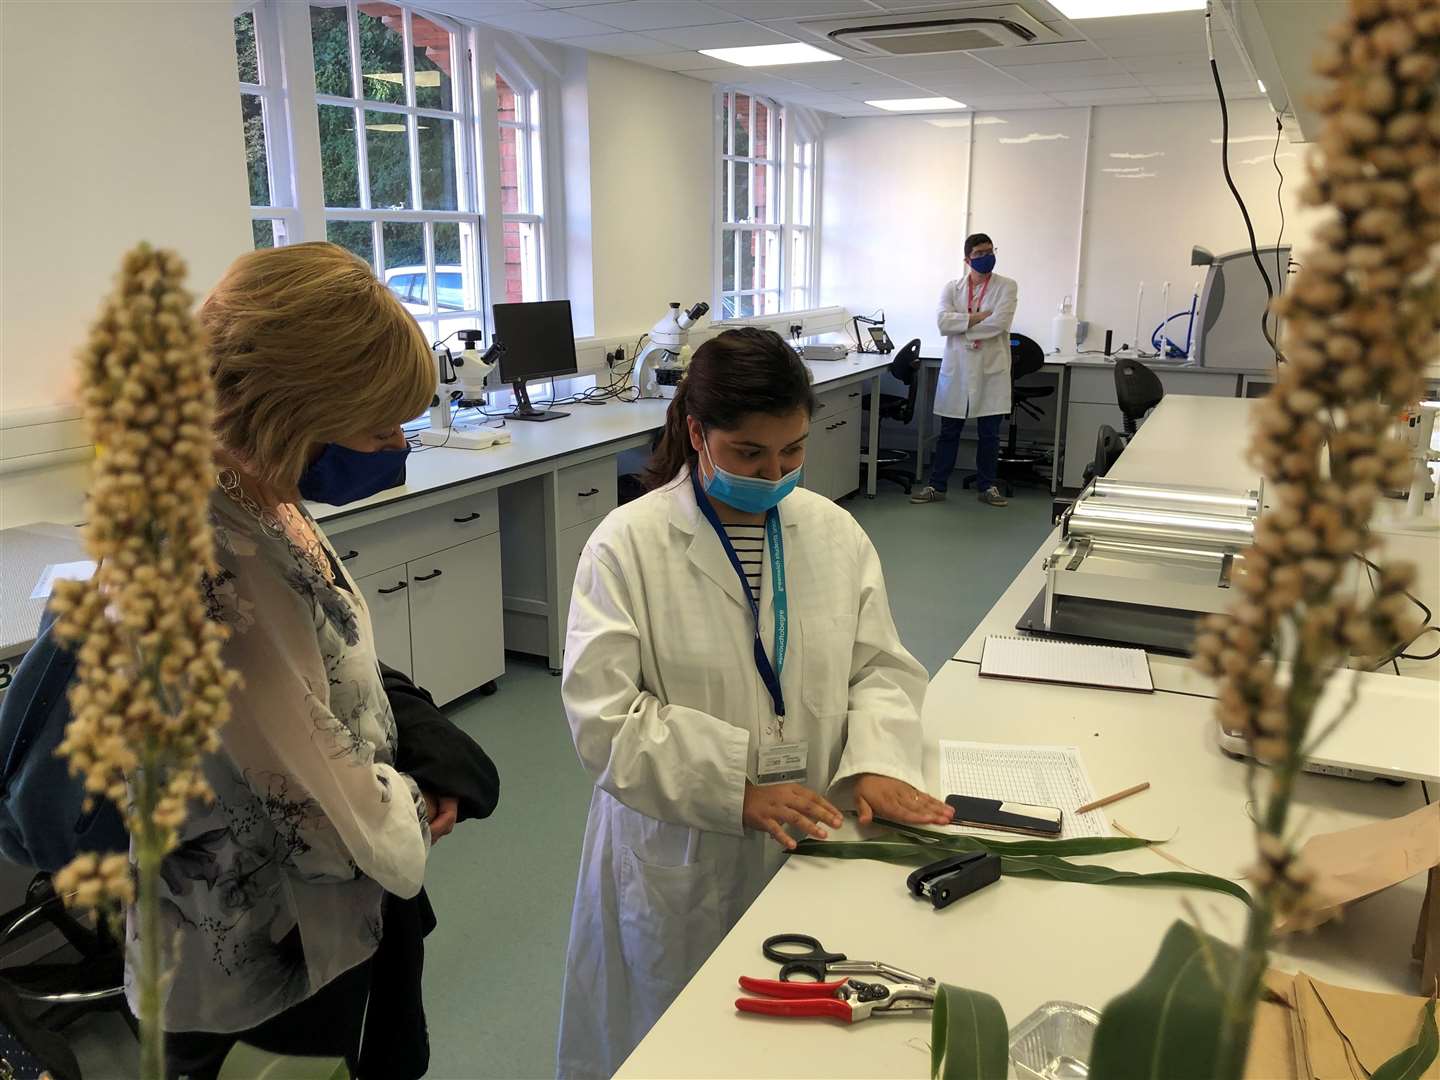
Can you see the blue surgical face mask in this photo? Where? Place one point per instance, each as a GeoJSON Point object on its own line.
{"type": "Point", "coordinates": [748, 494]}
{"type": "Point", "coordinates": [982, 264]}
{"type": "Point", "coordinates": [340, 475]}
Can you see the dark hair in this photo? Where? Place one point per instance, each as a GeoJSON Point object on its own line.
{"type": "Point", "coordinates": [741, 372]}
{"type": "Point", "coordinates": [974, 240]}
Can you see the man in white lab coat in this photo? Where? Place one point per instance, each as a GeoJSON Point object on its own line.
{"type": "Point", "coordinates": [975, 315]}
{"type": "Point", "coordinates": [732, 675]}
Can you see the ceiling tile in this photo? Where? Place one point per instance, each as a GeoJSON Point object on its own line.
{"type": "Point", "coordinates": [1089, 82]}
{"type": "Point", "coordinates": [1141, 65]}
{"type": "Point", "coordinates": [681, 61]}
{"type": "Point", "coordinates": [1024, 55]}
{"type": "Point", "coordinates": [997, 102]}
{"type": "Point", "coordinates": [842, 78]}
{"type": "Point", "coordinates": [622, 44]}
{"type": "Point", "coordinates": [956, 65]}
{"type": "Point", "coordinates": [481, 9]}
{"type": "Point", "coordinates": [769, 10]}
{"type": "Point", "coordinates": [547, 24]}
{"type": "Point", "coordinates": [1072, 70]}
{"type": "Point", "coordinates": [724, 36]}
{"type": "Point", "coordinates": [569, 3]}
{"type": "Point", "coordinates": [1154, 45]}
{"type": "Point", "coordinates": [656, 14]}
{"type": "Point", "coordinates": [1182, 24]}
{"type": "Point", "coordinates": [1134, 96]}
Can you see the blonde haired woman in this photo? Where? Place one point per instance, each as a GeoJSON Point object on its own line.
{"type": "Point", "coordinates": [283, 890]}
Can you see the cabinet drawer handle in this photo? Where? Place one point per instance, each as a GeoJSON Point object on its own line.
{"type": "Point", "coordinates": [855, 394]}
{"type": "Point", "coordinates": [352, 553]}
{"type": "Point", "coordinates": [397, 588]}
{"type": "Point", "coordinates": [587, 494]}
{"type": "Point", "coordinates": [842, 423]}
{"type": "Point", "coordinates": [467, 517]}
{"type": "Point", "coordinates": [427, 577]}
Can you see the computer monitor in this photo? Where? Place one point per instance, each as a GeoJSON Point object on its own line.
{"type": "Point", "coordinates": [537, 342]}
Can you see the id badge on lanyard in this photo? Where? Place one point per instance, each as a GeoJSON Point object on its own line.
{"type": "Point", "coordinates": [784, 761]}
{"type": "Point", "coordinates": [972, 303]}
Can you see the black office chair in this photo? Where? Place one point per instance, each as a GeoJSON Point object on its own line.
{"type": "Point", "coordinates": [1108, 445]}
{"type": "Point", "coordinates": [1137, 391]}
{"type": "Point", "coordinates": [898, 466]}
{"type": "Point", "coordinates": [1016, 466]}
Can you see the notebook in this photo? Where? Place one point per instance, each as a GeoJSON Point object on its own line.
{"type": "Point", "coordinates": [1039, 660]}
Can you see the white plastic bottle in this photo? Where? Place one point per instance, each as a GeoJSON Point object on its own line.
{"type": "Point", "coordinates": [1062, 329]}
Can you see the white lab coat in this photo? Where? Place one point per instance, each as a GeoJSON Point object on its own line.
{"type": "Point", "coordinates": [667, 711]}
{"type": "Point", "coordinates": [975, 382]}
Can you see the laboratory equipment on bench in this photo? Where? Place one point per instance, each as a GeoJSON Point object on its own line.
{"type": "Point", "coordinates": [463, 383]}
{"type": "Point", "coordinates": [1415, 428]}
{"type": "Point", "coordinates": [1139, 563]}
{"type": "Point", "coordinates": [824, 350]}
{"type": "Point", "coordinates": [954, 878]}
{"type": "Point", "coordinates": [879, 340]}
{"type": "Point", "coordinates": [1233, 299]}
{"type": "Point", "coordinates": [537, 341]}
{"type": "Point", "coordinates": [1063, 328]}
{"type": "Point", "coordinates": [661, 366]}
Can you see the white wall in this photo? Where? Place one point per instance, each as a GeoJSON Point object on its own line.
{"type": "Point", "coordinates": [652, 180]}
{"type": "Point", "coordinates": [121, 123]}
{"type": "Point", "coordinates": [892, 218]}
{"type": "Point", "coordinates": [897, 191]}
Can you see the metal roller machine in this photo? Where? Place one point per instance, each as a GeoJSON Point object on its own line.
{"type": "Point", "coordinates": [1139, 563]}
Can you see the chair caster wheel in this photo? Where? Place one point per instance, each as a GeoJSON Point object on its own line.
{"type": "Point", "coordinates": [488, 688]}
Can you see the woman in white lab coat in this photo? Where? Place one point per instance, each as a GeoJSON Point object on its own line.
{"type": "Point", "coordinates": [732, 674]}
{"type": "Point", "coordinates": [974, 315]}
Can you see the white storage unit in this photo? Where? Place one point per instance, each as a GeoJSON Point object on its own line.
{"type": "Point", "coordinates": [538, 577]}
{"type": "Point", "coordinates": [832, 455]}
{"type": "Point", "coordinates": [432, 582]}
{"type": "Point", "coordinates": [1092, 403]}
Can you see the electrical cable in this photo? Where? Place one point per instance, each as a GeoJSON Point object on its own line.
{"type": "Point", "coordinates": [1428, 627]}
{"type": "Point", "coordinates": [1279, 205]}
{"type": "Point", "coordinates": [1235, 191]}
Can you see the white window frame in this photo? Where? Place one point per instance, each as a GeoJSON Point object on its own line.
{"type": "Point", "coordinates": [529, 163]}
{"type": "Point", "coordinates": [275, 119]}
{"type": "Point", "coordinates": [798, 127]}
{"type": "Point", "coordinates": [290, 108]}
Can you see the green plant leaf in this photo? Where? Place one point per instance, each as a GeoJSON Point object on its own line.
{"type": "Point", "coordinates": [1023, 864]}
{"type": "Point", "coordinates": [1060, 870]}
{"type": "Point", "coordinates": [250, 1063]}
{"type": "Point", "coordinates": [969, 1036]}
{"type": "Point", "coordinates": [1411, 1063]}
{"type": "Point", "coordinates": [1166, 1026]}
{"type": "Point", "coordinates": [1084, 845]}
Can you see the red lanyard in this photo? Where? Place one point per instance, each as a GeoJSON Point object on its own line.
{"type": "Point", "coordinates": [970, 300]}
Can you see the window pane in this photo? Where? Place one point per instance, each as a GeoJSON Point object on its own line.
{"type": "Point", "coordinates": [432, 64]}
{"type": "Point", "coordinates": [510, 200]}
{"type": "Point", "coordinates": [382, 52]}
{"type": "Point", "coordinates": [337, 156]}
{"type": "Point", "coordinates": [764, 181]}
{"type": "Point", "coordinates": [439, 189]}
{"type": "Point", "coordinates": [522, 262]}
{"type": "Point", "coordinates": [742, 191]}
{"type": "Point", "coordinates": [264, 233]}
{"type": "Point", "coordinates": [742, 124]}
{"type": "Point", "coordinates": [725, 122]}
{"type": "Point", "coordinates": [246, 57]}
{"type": "Point", "coordinates": [405, 255]}
{"type": "Point", "coordinates": [353, 236]}
{"type": "Point", "coordinates": [760, 260]}
{"type": "Point", "coordinates": [746, 306]}
{"type": "Point", "coordinates": [727, 184]}
{"type": "Point", "coordinates": [762, 130]}
{"type": "Point", "coordinates": [799, 259]}
{"type": "Point", "coordinates": [505, 99]}
{"type": "Point", "coordinates": [768, 304]}
{"type": "Point", "coordinates": [456, 286]}
{"type": "Point", "coordinates": [727, 261]}
{"type": "Point", "coordinates": [256, 163]}
{"type": "Point", "coordinates": [330, 40]}
{"type": "Point", "coordinates": [388, 147]}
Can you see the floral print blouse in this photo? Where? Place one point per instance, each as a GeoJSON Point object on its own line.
{"type": "Point", "coordinates": [276, 887]}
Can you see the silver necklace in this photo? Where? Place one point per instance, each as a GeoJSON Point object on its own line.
{"type": "Point", "coordinates": [229, 481]}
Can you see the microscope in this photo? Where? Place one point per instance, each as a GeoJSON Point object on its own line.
{"type": "Point", "coordinates": [462, 383]}
{"type": "Point", "coordinates": [661, 366]}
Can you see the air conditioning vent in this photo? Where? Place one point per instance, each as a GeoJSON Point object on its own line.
{"type": "Point", "coordinates": [944, 30]}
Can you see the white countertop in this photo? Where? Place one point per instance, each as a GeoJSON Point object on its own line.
{"type": "Point", "coordinates": [1030, 941]}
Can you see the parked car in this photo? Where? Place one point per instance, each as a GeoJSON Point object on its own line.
{"type": "Point", "coordinates": [411, 285]}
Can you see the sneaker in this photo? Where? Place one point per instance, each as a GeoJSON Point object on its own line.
{"type": "Point", "coordinates": [927, 494]}
{"type": "Point", "coordinates": [991, 497]}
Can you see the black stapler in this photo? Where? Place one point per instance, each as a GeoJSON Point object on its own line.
{"type": "Point", "coordinates": [950, 879]}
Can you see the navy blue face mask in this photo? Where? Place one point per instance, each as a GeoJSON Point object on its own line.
{"type": "Point", "coordinates": [340, 475]}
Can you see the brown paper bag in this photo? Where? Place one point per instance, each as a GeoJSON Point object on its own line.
{"type": "Point", "coordinates": [1427, 935]}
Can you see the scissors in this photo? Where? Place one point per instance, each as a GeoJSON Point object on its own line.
{"type": "Point", "coordinates": [803, 955]}
{"type": "Point", "coordinates": [845, 999]}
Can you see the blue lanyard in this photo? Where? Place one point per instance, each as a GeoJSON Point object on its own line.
{"type": "Point", "coordinates": [769, 674]}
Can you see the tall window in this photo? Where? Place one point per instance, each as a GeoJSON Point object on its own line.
{"type": "Point", "coordinates": [750, 205]}
{"type": "Point", "coordinates": [263, 117]}
{"type": "Point", "coordinates": [395, 140]}
{"type": "Point", "coordinates": [520, 192]}
{"type": "Point", "coordinates": [768, 178]}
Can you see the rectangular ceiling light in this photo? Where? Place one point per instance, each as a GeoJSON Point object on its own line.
{"type": "Point", "coordinates": [792, 52]}
{"type": "Point", "coordinates": [1106, 9]}
{"type": "Point", "coordinates": [917, 104]}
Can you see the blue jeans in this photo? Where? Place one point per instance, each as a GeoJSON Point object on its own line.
{"type": "Point", "coordinates": [987, 457]}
